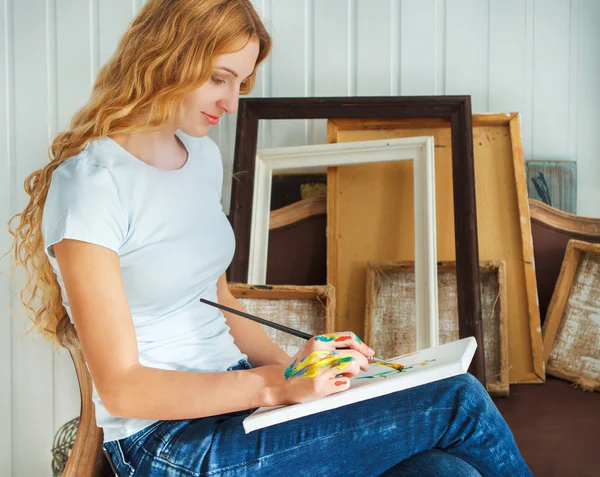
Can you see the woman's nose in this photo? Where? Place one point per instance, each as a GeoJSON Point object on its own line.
{"type": "Point", "coordinates": [229, 103]}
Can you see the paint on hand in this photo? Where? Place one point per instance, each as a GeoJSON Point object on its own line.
{"type": "Point", "coordinates": [337, 337]}
{"type": "Point", "coordinates": [309, 366]}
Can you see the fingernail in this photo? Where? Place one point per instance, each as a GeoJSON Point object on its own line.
{"type": "Point", "coordinates": [371, 350]}
{"type": "Point", "coordinates": [340, 383]}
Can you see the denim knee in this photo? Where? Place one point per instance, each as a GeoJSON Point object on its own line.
{"type": "Point", "coordinates": [470, 384]}
{"type": "Point", "coordinates": [470, 392]}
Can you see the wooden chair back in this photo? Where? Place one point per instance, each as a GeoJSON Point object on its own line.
{"type": "Point", "coordinates": [551, 230]}
{"type": "Point", "coordinates": [87, 457]}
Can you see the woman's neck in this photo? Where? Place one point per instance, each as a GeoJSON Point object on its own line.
{"type": "Point", "coordinates": [161, 149]}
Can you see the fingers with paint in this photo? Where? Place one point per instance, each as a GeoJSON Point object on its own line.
{"type": "Point", "coordinates": [346, 340]}
{"type": "Point", "coordinates": [337, 337]}
{"type": "Point", "coordinates": [309, 366]}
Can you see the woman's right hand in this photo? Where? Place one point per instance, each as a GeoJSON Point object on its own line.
{"type": "Point", "coordinates": [290, 387]}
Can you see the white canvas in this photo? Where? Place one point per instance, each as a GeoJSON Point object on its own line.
{"type": "Point", "coordinates": [421, 367]}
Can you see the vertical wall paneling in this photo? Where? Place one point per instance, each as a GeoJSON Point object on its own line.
{"type": "Point", "coordinates": [467, 46]}
{"type": "Point", "coordinates": [94, 36]}
{"type": "Point", "coordinates": [510, 77]}
{"type": "Point", "coordinates": [73, 59]}
{"type": "Point", "coordinates": [32, 357]}
{"type": "Point", "coordinates": [441, 19]}
{"type": "Point", "coordinates": [526, 109]}
{"type": "Point", "coordinates": [507, 59]}
{"type": "Point", "coordinates": [316, 128]}
{"type": "Point", "coordinates": [6, 209]}
{"type": "Point", "coordinates": [395, 47]}
{"type": "Point", "coordinates": [309, 64]}
{"type": "Point", "coordinates": [331, 54]}
{"type": "Point", "coordinates": [331, 48]}
{"type": "Point", "coordinates": [114, 16]}
{"type": "Point", "coordinates": [352, 33]}
{"type": "Point", "coordinates": [287, 65]}
{"type": "Point", "coordinates": [52, 73]}
{"type": "Point", "coordinates": [419, 48]}
{"type": "Point", "coordinates": [551, 80]}
{"type": "Point", "coordinates": [372, 69]}
{"type": "Point", "coordinates": [588, 114]}
{"type": "Point", "coordinates": [573, 75]}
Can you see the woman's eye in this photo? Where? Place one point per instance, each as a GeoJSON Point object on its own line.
{"type": "Point", "coordinates": [216, 80]}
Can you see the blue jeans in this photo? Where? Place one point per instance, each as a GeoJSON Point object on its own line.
{"type": "Point", "coordinates": [446, 428]}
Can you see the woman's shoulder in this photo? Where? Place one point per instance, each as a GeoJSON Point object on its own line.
{"type": "Point", "coordinates": [84, 203]}
{"type": "Point", "coordinates": [96, 158]}
{"type": "Point", "coordinates": [89, 173]}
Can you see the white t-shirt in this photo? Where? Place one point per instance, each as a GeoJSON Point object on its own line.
{"type": "Point", "coordinates": [173, 241]}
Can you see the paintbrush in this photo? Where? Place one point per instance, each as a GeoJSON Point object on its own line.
{"type": "Point", "coordinates": [285, 329]}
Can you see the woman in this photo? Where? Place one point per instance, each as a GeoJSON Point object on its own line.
{"type": "Point", "coordinates": [124, 230]}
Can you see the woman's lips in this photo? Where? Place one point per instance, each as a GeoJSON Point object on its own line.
{"type": "Point", "coordinates": [212, 120]}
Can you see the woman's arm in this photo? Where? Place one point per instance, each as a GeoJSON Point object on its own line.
{"type": "Point", "coordinates": [247, 334]}
{"type": "Point", "coordinates": [93, 283]}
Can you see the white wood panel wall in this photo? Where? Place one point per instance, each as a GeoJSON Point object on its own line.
{"type": "Point", "coordinates": [537, 57]}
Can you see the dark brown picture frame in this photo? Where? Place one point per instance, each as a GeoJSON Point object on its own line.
{"type": "Point", "coordinates": [454, 109]}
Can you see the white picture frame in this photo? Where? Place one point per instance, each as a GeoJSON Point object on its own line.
{"type": "Point", "coordinates": [316, 158]}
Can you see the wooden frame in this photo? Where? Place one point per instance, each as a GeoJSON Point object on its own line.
{"type": "Point", "coordinates": [568, 320]}
{"type": "Point", "coordinates": [394, 280]}
{"type": "Point", "coordinates": [453, 109]}
{"type": "Point", "coordinates": [419, 150]}
{"type": "Point", "coordinates": [504, 227]}
{"type": "Point", "coordinates": [269, 302]}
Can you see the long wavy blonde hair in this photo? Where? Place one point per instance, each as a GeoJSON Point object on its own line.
{"type": "Point", "coordinates": [166, 52]}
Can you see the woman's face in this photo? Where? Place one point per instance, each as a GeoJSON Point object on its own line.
{"type": "Point", "coordinates": [205, 105]}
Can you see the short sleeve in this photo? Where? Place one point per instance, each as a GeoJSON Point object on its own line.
{"type": "Point", "coordinates": [83, 203]}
